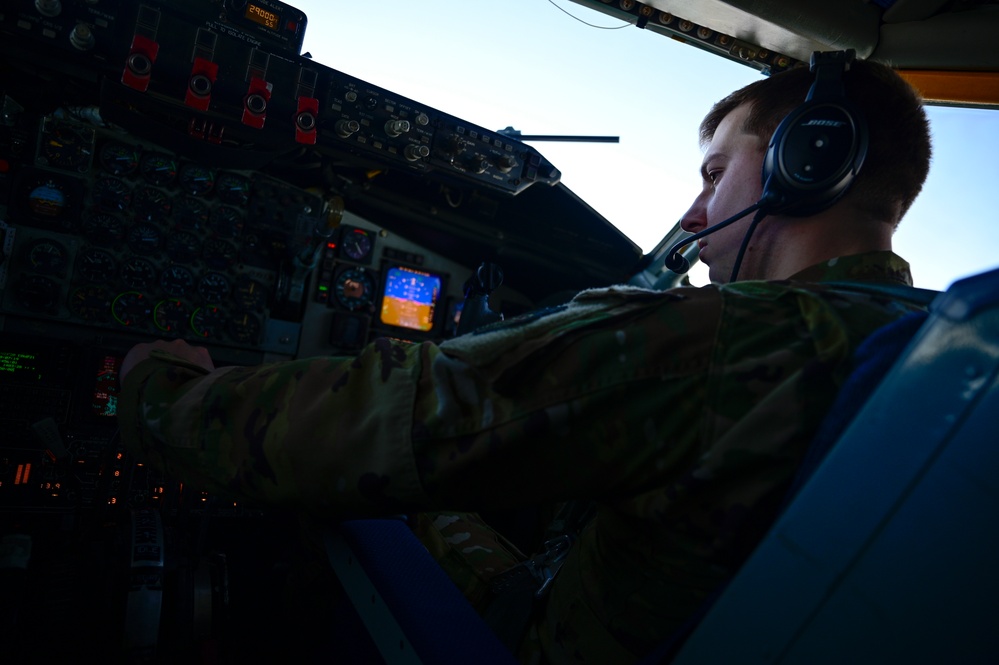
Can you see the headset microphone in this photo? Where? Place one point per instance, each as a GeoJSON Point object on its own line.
{"type": "Point", "coordinates": [678, 264]}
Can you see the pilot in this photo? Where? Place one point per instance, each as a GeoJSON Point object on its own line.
{"type": "Point", "coordinates": [681, 414]}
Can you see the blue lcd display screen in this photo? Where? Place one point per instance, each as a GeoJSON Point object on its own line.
{"type": "Point", "coordinates": [410, 298]}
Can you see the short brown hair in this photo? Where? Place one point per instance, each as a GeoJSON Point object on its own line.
{"type": "Point", "coordinates": [898, 155]}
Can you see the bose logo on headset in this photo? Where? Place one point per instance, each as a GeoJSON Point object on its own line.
{"type": "Point", "coordinates": [817, 150]}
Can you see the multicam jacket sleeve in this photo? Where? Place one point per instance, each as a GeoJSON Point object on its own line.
{"type": "Point", "coordinates": [683, 413]}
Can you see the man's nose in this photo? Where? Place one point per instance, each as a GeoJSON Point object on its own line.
{"type": "Point", "coordinates": [694, 219]}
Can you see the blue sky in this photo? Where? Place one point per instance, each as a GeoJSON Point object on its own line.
{"type": "Point", "coordinates": [527, 64]}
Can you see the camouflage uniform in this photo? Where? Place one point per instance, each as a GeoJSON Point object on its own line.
{"type": "Point", "coordinates": [682, 413]}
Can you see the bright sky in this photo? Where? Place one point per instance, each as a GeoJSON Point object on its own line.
{"type": "Point", "coordinates": [528, 64]}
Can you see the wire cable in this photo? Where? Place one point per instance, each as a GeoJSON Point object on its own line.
{"type": "Point", "coordinates": [598, 27]}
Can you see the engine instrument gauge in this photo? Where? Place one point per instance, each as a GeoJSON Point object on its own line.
{"type": "Point", "coordinates": [37, 293]}
{"type": "Point", "coordinates": [244, 328]}
{"type": "Point", "coordinates": [207, 321]}
{"type": "Point", "coordinates": [137, 273]}
{"type": "Point", "coordinates": [233, 189]}
{"type": "Point", "coordinates": [111, 194]}
{"type": "Point", "coordinates": [250, 294]}
{"type": "Point", "coordinates": [354, 289]}
{"type": "Point", "coordinates": [176, 281]}
{"type": "Point", "coordinates": [158, 169]}
{"type": "Point", "coordinates": [91, 303]}
{"type": "Point", "coordinates": [96, 265]}
{"type": "Point", "coordinates": [119, 159]}
{"type": "Point", "coordinates": [151, 205]}
{"type": "Point", "coordinates": [103, 228]}
{"type": "Point", "coordinates": [190, 213]}
{"type": "Point", "coordinates": [219, 254]}
{"type": "Point", "coordinates": [226, 221]}
{"type": "Point", "coordinates": [47, 257]}
{"type": "Point", "coordinates": [131, 309]}
{"type": "Point", "coordinates": [171, 316]}
{"type": "Point", "coordinates": [196, 180]}
{"type": "Point", "coordinates": [144, 238]}
{"type": "Point", "coordinates": [183, 247]}
{"type": "Point", "coordinates": [214, 287]}
{"type": "Point", "coordinates": [356, 244]}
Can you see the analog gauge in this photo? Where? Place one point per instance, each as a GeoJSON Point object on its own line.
{"type": "Point", "coordinates": [183, 247]}
{"type": "Point", "coordinates": [103, 228]}
{"type": "Point", "coordinates": [111, 194]}
{"type": "Point", "coordinates": [190, 213]}
{"type": "Point", "coordinates": [356, 244]}
{"type": "Point", "coordinates": [176, 281]}
{"type": "Point", "coordinates": [66, 147]}
{"type": "Point", "coordinates": [119, 158]}
{"type": "Point", "coordinates": [151, 205]}
{"type": "Point", "coordinates": [233, 189]}
{"type": "Point", "coordinates": [196, 179]}
{"type": "Point", "coordinates": [250, 294]}
{"type": "Point", "coordinates": [47, 257]}
{"type": "Point", "coordinates": [214, 287]}
{"type": "Point", "coordinates": [137, 273]}
{"type": "Point", "coordinates": [207, 321]}
{"type": "Point", "coordinates": [170, 316]}
{"type": "Point", "coordinates": [37, 293]}
{"type": "Point", "coordinates": [131, 309]}
{"type": "Point", "coordinates": [227, 222]}
{"type": "Point", "coordinates": [91, 303]}
{"type": "Point", "coordinates": [354, 289]}
{"type": "Point", "coordinates": [244, 328]}
{"type": "Point", "coordinates": [144, 238]}
{"type": "Point", "coordinates": [96, 265]}
{"type": "Point", "coordinates": [158, 169]}
{"type": "Point", "coordinates": [47, 199]}
{"type": "Point", "coordinates": [219, 254]}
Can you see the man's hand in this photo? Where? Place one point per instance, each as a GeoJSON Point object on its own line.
{"type": "Point", "coordinates": [197, 355]}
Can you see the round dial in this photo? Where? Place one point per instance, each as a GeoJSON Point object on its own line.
{"type": "Point", "coordinates": [47, 199]}
{"type": "Point", "coordinates": [207, 321]}
{"type": "Point", "coordinates": [176, 281]}
{"type": "Point", "coordinates": [96, 265]}
{"type": "Point", "coordinates": [183, 247]}
{"type": "Point", "coordinates": [119, 158]}
{"type": "Point", "coordinates": [144, 238]}
{"type": "Point", "coordinates": [219, 253]}
{"type": "Point", "coordinates": [196, 179]}
{"type": "Point", "coordinates": [226, 221]}
{"type": "Point", "coordinates": [356, 244]}
{"type": "Point", "coordinates": [233, 189]}
{"type": "Point", "coordinates": [47, 257]}
{"type": "Point", "coordinates": [91, 303]}
{"type": "Point", "coordinates": [103, 228]}
{"type": "Point", "coordinates": [66, 147]}
{"type": "Point", "coordinates": [37, 293]}
{"type": "Point", "coordinates": [250, 294]}
{"type": "Point", "coordinates": [158, 169]}
{"type": "Point", "coordinates": [190, 213]}
{"type": "Point", "coordinates": [151, 204]}
{"type": "Point", "coordinates": [171, 316]}
{"type": "Point", "coordinates": [137, 273]}
{"type": "Point", "coordinates": [131, 309]}
{"type": "Point", "coordinates": [244, 328]}
{"type": "Point", "coordinates": [354, 289]}
{"type": "Point", "coordinates": [214, 287]}
{"type": "Point", "coordinates": [111, 194]}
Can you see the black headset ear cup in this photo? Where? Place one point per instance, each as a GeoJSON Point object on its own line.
{"type": "Point", "coordinates": [815, 153]}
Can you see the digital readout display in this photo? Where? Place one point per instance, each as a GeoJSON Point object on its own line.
{"type": "Point", "coordinates": [20, 366]}
{"type": "Point", "coordinates": [410, 298]}
{"type": "Point", "coordinates": [105, 395]}
{"type": "Point", "coordinates": [264, 17]}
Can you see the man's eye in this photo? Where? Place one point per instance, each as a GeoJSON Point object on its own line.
{"type": "Point", "coordinates": [713, 176]}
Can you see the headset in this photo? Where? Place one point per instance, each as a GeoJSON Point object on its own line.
{"type": "Point", "coordinates": [817, 150]}
{"type": "Point", "coordinates": [812, 159]}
